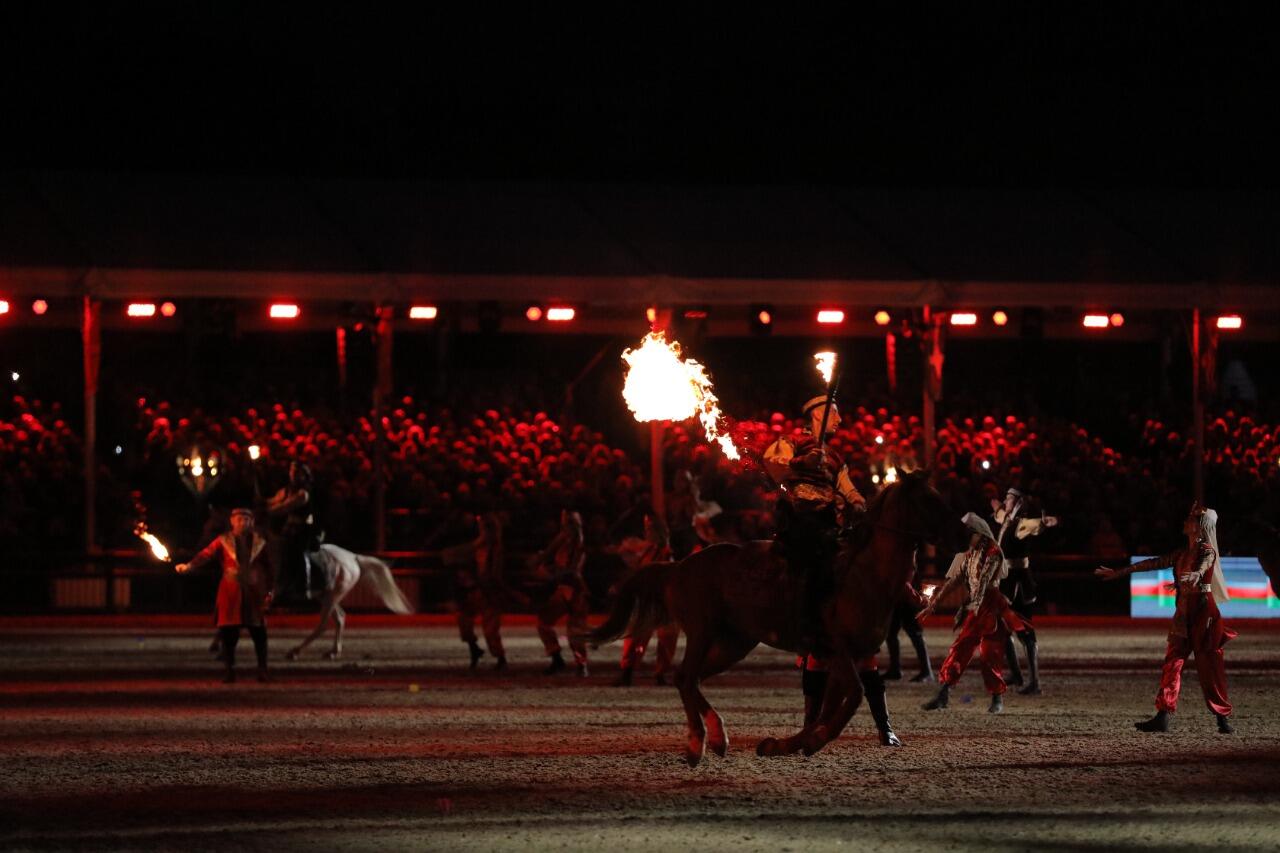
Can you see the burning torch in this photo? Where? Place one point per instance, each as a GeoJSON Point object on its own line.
{"type": "Point", "coordinates": [832, 368]}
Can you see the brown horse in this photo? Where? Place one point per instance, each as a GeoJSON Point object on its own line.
{"type": "Point", "coordinates": [730, 598]}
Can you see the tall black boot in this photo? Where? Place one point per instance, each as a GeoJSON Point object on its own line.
{"type": "Point", "coordinates": [1014, 676]}
{"type": "Point", "coordinates": [476, 653]}
{"type": "Point", "coordinates": [813, 683]}
{"type": "Point", "coordinates": [873, 686]}
{"type": "Point", "coordinates": [922, 655]}
{"type": "Point", "coordinates": [1033, 664]}
{"type": "Point", "coordinates": [556, 665]}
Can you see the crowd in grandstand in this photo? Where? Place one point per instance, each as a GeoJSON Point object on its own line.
{"type": "Point", "coordinates": [444, 463]}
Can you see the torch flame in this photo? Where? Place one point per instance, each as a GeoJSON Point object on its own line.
{"type": "Point", "coordinates": [157, 547]}
{"type": "Point", "coordinates": [661, 385]}
{"type": "Point", "coordinates": [929, 590]}
{"type": "Point", "coordinates": [826, 364]}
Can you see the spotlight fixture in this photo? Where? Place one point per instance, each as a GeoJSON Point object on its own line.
{"type": "Point", "coordinates": [140, 309]}
{"type": "Point", "coordinates": [168, 309]}
{"type": "Point", "coordinates": [1000, 317]}
{"type": "Point", "coordinates": [830, 316]}
{"type": "Point", "coordinates": [1117, 319]}
{"type": "Point", "coordinates": [560, 314]}
{"type": "Point", "coordinates": [964, 318]}
{"type": "Point", "coordinates": [1096, 321]}
{"type": "Point", "coordinates": [284, 311]}
{"type": "Point", "coordinates": [533, 313]}
{"type": "Point", "coordinates": [1230, 322]}
{"type": "Point", "coordinates": [39, 307]}
{"type": "Point", "coordinates": [423, 312]}
{"type": "Point", "coordinates": [883, 317]}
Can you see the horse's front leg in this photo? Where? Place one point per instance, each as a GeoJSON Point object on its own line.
{"type": "Point", "coordinates": [339, 624]}
{"type": "Point", "coordinates": [326, 610]}
{"type": "Point", "coordinates": [844, 695]}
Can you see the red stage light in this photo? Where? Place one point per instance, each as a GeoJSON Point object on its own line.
{"type": "Point", "coordinates": [830, 316]}
{"type": "Point", "coordinates": [141, 309]}
{"type": "Point", "coordinates": [168, 309]}
{"type": "Point", "coordinates": [964, 318]}
{"type": "Point", "coordinates": [1230, 322]}
{"type": "Point", "coordinates": [533, 313]}
{"type": "Point", "coordinates": [423, 312]}
{"type": "Point", "coordinates": [560, 314]}
{"type": "Point", "coordinates": [695, 314]}
{"type": "Point", "coordinates": [1096, 321]}
{"type": "Point", "coordinates": [765, 318]}
{"type": "Point", "coordinates": [284, 311]}
{"type": "Point", "coordinates": [1117, 319]}
{"type": "Point", "coordinates": [882, 318]}
{"type": "Point", "coordinates": [39, 306]}
{"type": "Point", "coordinates": [1000, 318]}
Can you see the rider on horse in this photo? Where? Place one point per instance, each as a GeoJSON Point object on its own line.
{"type": "Point", "coordinates": [817, 494]}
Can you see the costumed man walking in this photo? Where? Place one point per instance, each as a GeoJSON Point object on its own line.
{"type": "Point", "coordinates": [244, 592]}
{"type": "Point", "coordinates": [1013, 532]}
{"type": "Point", "coordinates": [1197, 623]}
{"type": "Point", "coordinates": [563, 560]}
{"type": "Point", "coordinates": [654, 548]}
{"type": "Point", "coordinates": [818, 499]}
{"type": "Point", "coordinates": [987, 615]}
{"type": "Point", "coordinates": [291, 510]}
{"type": "Point", "coordinates": [482, 591]}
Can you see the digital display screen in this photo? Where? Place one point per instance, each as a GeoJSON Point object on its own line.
{"type": "Point", "coordinates": [1251, 594]}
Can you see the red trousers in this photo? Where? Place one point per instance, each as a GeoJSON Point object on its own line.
{"type": "Point", "coordinates": [570, 601]}
{"type": "Point", "coordinates": [983, 630]}
{"type": "Point", "coordinates": [475, 603]}
{"type": "Point", "coordinates": [633, 648]}
{"type": "Point", "coordinates": [1207, 636]}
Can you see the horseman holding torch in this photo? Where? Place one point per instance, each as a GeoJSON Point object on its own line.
{"type": "Point", "coordinates": [816, 487]}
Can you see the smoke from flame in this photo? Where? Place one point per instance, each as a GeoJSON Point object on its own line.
{"type": "Point", "coordinates": [826, 364]}
{"type": "Point", "coordinates": [661, 385]}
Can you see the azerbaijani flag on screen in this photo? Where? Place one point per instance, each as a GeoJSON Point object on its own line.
{"type": "Point", "coordinates": [1251, 593]}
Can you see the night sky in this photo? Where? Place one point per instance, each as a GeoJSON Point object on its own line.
{"type": "Point", "coordinates": [1013, 98]}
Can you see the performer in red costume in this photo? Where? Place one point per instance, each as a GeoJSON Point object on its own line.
{"type": "Point", "coordinates": [988, 616]}
{"type": "Point", "coordinates": [1197, 623]}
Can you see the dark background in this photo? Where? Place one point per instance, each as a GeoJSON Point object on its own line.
{"type": "Point", "coordinates": [1007, 96]}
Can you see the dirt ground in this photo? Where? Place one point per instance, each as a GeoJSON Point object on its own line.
{"type": "Point", "coordinates": [124, 738]}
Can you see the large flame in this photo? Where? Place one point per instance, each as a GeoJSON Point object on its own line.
{"type": "Point", "coordinates": [826, 364]}
{"type": "Point", "coordinates": [661, 385]}
{"type": "Point", "coordinates": [157, 547]}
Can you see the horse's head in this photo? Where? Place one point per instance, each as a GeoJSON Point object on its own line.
{"type": "Point", "coordinates": [926, 514]}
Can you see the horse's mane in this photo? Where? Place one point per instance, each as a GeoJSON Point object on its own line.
{"type": "Point", "coordinates": [858, 534]}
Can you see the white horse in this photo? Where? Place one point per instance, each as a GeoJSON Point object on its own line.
{"type": "Point", "coordinates": [342, 570]}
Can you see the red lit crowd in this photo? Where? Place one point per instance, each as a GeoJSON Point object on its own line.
{"type": "Point", "coordinates": [445, 463]}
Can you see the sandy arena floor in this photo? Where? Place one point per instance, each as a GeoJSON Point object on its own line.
{"type": "Point", "coordinates": [123, 737]}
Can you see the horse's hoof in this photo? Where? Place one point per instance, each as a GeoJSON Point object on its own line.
{"type": "Point", "coordinates": [692, 758]}
{"type": "Point", "coordinates": [768, 748]}
{"type": "Point", "coordinates": [720, 747]}
{"type": "Point", "coordinates": [889, 739]}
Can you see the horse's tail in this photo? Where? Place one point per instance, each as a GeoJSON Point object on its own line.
{"type": "Point", "coordinates": [379, 575]}
{"type": "Point", "coordinates": [639, 596]}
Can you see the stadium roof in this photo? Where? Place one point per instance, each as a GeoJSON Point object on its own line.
{"type": "Point", "coordinates": [126, 235]}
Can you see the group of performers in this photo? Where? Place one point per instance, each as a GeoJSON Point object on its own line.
{"type": "Point", "coordinates": [818, 500]}
{"type": "Point", "coordinates": [995, 576]}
